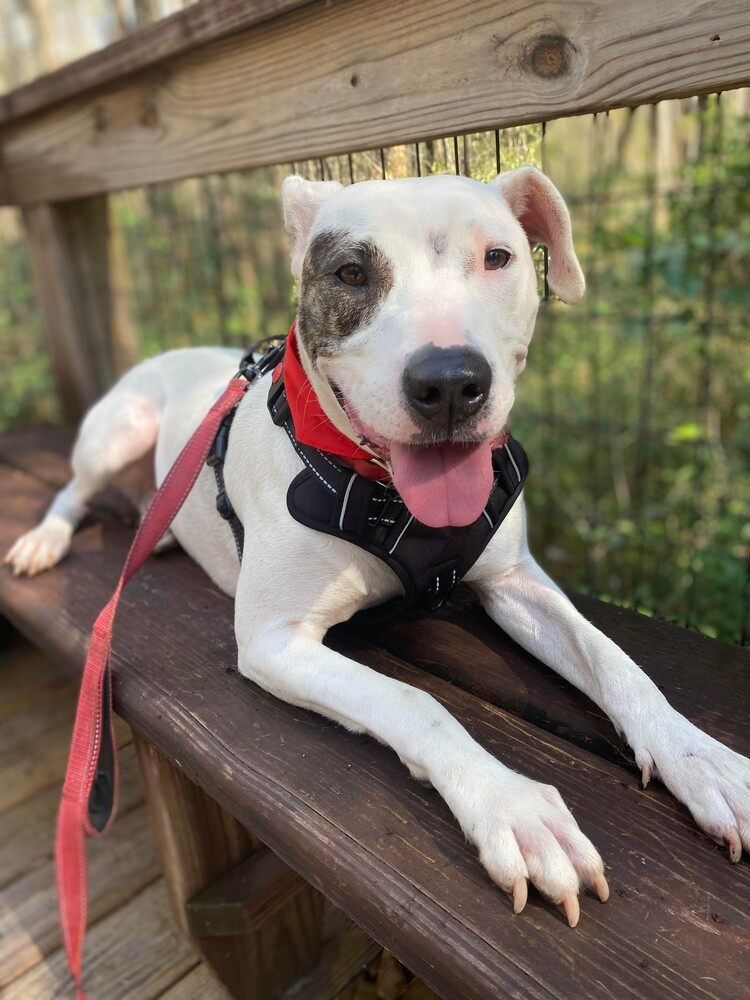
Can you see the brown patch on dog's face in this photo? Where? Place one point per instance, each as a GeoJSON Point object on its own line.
{"type": "Point", "coordinates": [331, 310]}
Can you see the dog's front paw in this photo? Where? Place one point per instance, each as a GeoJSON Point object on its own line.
{"type": "Point", "coordinates": [524, 831]}
{"type": "Point", "coordinates": [40, 549]}
{"type": "Point", "coordinates": [706, 776]}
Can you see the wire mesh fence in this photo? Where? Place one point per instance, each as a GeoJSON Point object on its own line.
{"type": "Point", "coordinates": [634, 407]}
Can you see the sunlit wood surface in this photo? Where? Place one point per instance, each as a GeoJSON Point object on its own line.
{"type": "Point", "coordinates": [134, 948]}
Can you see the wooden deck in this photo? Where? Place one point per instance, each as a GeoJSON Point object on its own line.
{"type": "Point", "coordinates": [677, 924]}
{"type": "Point", "coordinates": [134, 948]}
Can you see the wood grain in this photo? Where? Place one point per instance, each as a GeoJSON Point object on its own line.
{"type": "Point", "coordinates": [34, 737]}
{"type": "Point", "coordinates": [464, 646]}
{"type": "Point", "coordinates": [259, 926]}
{"type": "Point", "coordinates": [69, 252]}
{"type": "Point", "coordinates": [134, 954]}
{"type": "Point", "coordinates": [349, 75]}
{"type": "Point", "coordinates": [254, 920]}
{"type": "Point", "coordinates": [184, 31]}
{"type": "Point", "coordinates": [346, 950]}
{"type": "Point", "coordinates": [199, 984]}
{"type": "Point", "coordinates": [27, 829]}
{"type": "Point", "coordinates": [119, 868]}
{"type": "Point", "coordinates": [341, 810]}
{"type": "Point", "coordinates": [198, 840]}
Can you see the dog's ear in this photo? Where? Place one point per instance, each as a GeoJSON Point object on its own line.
{"type": "Point", "coordinates": [541, 210]}
{"type": "Point", "coordinates": [301, 200]}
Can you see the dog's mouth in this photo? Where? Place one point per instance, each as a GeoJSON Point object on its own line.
{"type": "Point", "coordinates": [443, 483]}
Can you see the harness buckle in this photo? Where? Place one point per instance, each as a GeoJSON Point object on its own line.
{"type": "Point", "coordinates": [224, 505]}
{"type": "Point", "coordinates": [278, 404]}
{"type": "Point", "coordinates": [253, 370]}
{"type": "Point", "coordinates": [221, 442]}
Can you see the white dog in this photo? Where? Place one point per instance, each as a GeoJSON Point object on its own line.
{"type": "Point", "coordinates": [417, 303]}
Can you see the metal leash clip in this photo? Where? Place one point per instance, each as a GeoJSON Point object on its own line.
{"type": "Point", "coordinates": [253, 370]}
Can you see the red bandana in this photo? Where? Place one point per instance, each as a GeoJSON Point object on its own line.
{"type": "Point", "coordinates": [311, 424]}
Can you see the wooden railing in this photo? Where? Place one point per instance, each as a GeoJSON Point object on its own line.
{"type": "Point", "coordinates": [227, 85]}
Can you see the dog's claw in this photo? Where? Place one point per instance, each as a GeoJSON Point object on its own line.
{"type": "Point", "coordinates": [520, 893]}
{"type": "Point", "coordinates": [645, 775]}
{"type": "Point", "coordinates": [735, 847]}
{"type": "Point", "coordinates": [601, 888]}
{"type": "Point", "coordinates": [572, 910]}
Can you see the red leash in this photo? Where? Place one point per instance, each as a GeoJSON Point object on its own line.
{"type": "Point", "coordinates": [89, 793]}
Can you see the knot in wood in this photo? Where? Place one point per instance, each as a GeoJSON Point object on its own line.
{"type": "Point", "coordinates": [150, 116]}
{"type": "Point", "coordinates": [551, 56]}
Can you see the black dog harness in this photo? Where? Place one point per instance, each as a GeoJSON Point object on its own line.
{"type": "Point", "coordinates": [331, 497]}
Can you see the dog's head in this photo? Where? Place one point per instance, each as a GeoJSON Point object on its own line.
{"type": "Point", "coordinates": [417, 301]}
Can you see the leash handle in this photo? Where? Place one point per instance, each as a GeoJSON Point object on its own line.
{"type": "Point", "coordinates": [88, 802]}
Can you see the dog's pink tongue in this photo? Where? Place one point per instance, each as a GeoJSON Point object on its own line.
{"type": "Point", "coordinates": [445, 484]}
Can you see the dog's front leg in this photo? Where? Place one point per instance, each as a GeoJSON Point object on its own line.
{"type": "Point", "coordinates": [709, 778]}
{"type": "Point", "coordinates": [522, 829]}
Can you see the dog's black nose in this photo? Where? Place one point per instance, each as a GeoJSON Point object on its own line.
{"type": "Point", "coordinates": [446, 385]}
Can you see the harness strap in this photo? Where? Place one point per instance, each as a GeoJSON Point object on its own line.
{"type": "Point", "coordinates": [216, 460]}
{"type": "Point", "coordinates": [89, 793]}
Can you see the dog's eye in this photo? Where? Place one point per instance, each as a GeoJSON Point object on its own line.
{"type": "Point", "coordinates": [495, 259]}
{"type": "Point", "coordinates": [352, 274]}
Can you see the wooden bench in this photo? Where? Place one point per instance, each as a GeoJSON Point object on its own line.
{"type": "Point", "coordinates": [230, 769]}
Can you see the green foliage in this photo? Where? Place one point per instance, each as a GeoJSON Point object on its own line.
{"type": "Point", "coordinates": [636, 413]}
{"type": "Point", "coordinates": [27, 390]}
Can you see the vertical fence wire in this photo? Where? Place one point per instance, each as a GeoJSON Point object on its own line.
{"type": "Point", "coordinates": [596, 198]}
{"type": "Point", "coordinates": [711, 146]}
{"type": "Point", "coordinates": [545, 249]}
{"type": "Point", "coordinates": [642, 565]}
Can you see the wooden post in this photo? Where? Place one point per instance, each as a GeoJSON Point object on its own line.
{"type": "Point", "coordinates": [198, 841]}
{"type": "Point", "coordinates": [71, 250]}
{"type": "Point", "coordinates": [256, 922]}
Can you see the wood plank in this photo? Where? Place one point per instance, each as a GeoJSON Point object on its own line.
{"type": "Point", "coordinates": [349, 75]}
{"type": "Point", "coordinates": [463, 645]}
{"type": "Point", "coordinates": [198, 841]}
{"type": "Point", "coordinates": [340, 810]}
{"type": "Point", "coordinates": [17, 708]}
{"type": "Point", "coordinates": [136, 953]}
{"type": "Point", "coordinates": [418, 991]}
{"type": "Point", "coordinates": [182, 32]}
{"type": "Point", "coordinates": [259, 926]}
{"type": "Point", "coordinates": [345, 953]}
{"type": "Point", "coordinates": [245, 897]}
{"type": "Point", "coordinates": [27, 829]}
{"type": "Point", "coordinates": [255, 921]}
{"type": "Point", "coordinates": [69, 251]}
{"type": "Point", "coordinates": [23, 668]}
{"type": "Point", "coordinates": [34, 740]}
{"type": "Point", "coordinates": [43, 452]}
{"type": "Point", "coordinates": [199, 984]}
{"type": "Point", "coordinates": [119, 868]}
